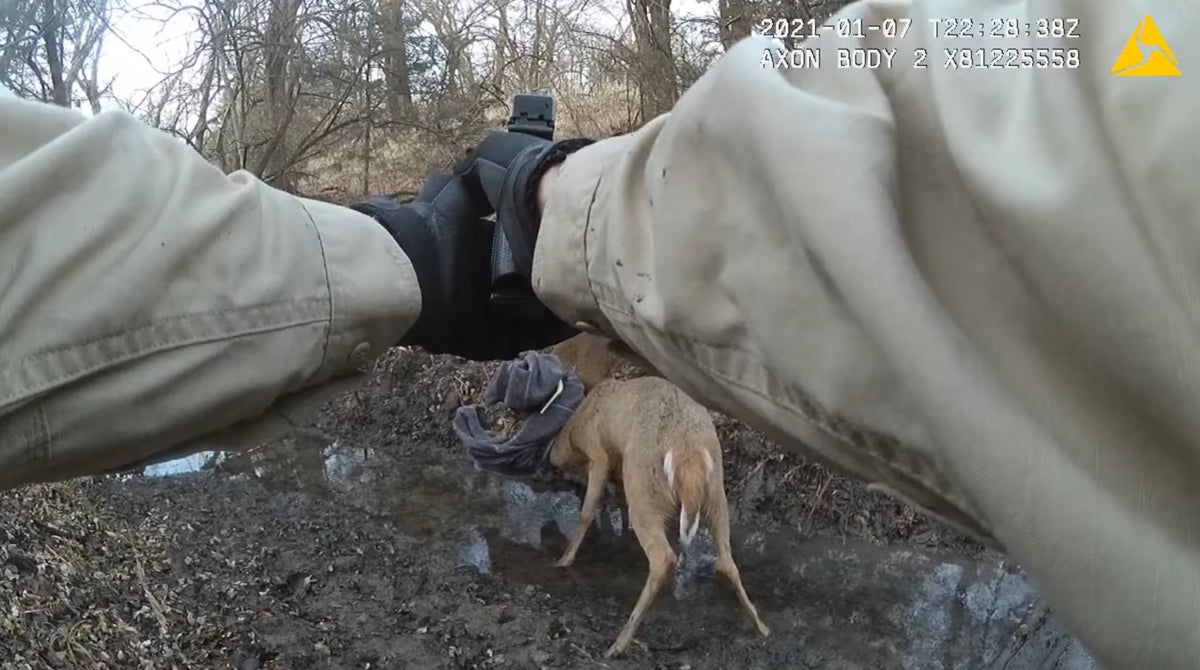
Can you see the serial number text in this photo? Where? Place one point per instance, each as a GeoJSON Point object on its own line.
{"type": "Point", "coordinates": [1016, 58]}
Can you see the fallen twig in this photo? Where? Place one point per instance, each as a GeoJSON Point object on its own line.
{"type": "Point", "coordinates": [154, 605]}
{"type": "Point", "coordinates": [816, 499]}
{"type": "Point", "coordinates": [584, 652]}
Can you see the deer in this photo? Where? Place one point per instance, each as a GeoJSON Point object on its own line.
{"type": "Point", "coordinates": [663, 448]}
{"type": "Point", "coordinates": [592, 357]}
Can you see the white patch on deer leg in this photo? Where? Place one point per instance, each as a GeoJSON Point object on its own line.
{"type": "Point", "coordinates": [687, 531]}
{"type": "Point", "coordinates": [708, 462]}
{"type": "Point", "coordinates": [669, 467]}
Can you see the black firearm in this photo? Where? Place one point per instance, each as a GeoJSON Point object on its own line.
{"type": "Point", "coordinates": [512, 295]}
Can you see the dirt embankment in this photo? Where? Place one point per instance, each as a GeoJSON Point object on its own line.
{"type": "Point", "coordinates": [387, 550]}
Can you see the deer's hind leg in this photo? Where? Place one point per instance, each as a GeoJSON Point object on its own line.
{"type": "Point", "coordinates": [598, 470]}
{"type": "Point", "coordinates": [651, 534]}
{"type": "Point", "coordinates": [718, 525]}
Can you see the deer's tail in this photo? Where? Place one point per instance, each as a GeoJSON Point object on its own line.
{"type": "Point", "coordinates": [688, 471]}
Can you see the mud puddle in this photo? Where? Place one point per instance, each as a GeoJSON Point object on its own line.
{"type": "Point", "coordinates": [830, 603]}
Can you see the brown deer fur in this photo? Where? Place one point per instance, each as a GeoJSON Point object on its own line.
{"type": "Point", "coordinates": [589, 356]}
{"type": "Point", "coordinates": [663, 447]}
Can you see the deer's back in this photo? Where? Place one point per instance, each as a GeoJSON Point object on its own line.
{"type": "Point", "coordinates": [645, 417]}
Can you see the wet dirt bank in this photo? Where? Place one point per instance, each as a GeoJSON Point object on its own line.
{"type": "Point", "coordinates": [369, 541]}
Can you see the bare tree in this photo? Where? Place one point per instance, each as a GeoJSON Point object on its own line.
{"type": "Point", "coordinates": [394, 28]}
{"type": "Point", "coordinates": [270, 83]}
{"type": "Point", "coordinates": [457, 27]}
{"type": "Point", "coordinates": [656, 75]}
{"type": "Point", "coordinates": [736, 18]}
{"type": "Point", "coordinates": [353, 95]}
{"type": "Point", "coordinates": [50, 49]}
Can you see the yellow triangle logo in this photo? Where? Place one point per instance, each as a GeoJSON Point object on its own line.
{"type": "Point", "coordinates": [1146, 54]}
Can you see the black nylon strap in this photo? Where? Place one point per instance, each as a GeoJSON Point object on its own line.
{"type": "Point", "coordinates": [407, 226]}
{"type": "Point", "coordinates": [557, 154]}
{"type": "Point", "coordinates": [518, 212]}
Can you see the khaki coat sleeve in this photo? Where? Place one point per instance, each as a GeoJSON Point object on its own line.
{"type": "Point", "coordinates": [977, 288]}
{"type": "Point", "coordinates": [148, 300]}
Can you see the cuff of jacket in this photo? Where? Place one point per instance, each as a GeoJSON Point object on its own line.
{"type": "Point", "coordinates": [570, 229]}
{"type": "Point", "coordinates": [374, 297]}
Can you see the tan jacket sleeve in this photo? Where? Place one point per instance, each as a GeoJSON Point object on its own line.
{"type": "Point", "coordinates": [147, 299]}
{"type": "Point", "coordinates": [978, 288]}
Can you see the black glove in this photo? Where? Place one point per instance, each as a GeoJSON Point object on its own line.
{"type": "Point", "coordinates": [507, 167]}
{"type": "Point", "coordinates": [444, 235]}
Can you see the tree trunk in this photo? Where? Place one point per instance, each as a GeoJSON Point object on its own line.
{"type": "Point", "coordinates": [396, 70]}
{"type": "Point", "coordinates": [536, 65]}
{"type": "Point", "coordinates": [91, 86]}
{"type": "Point", "coordinates": [451, 82]}
{"type": "Point", "coordinates": [366, 137]}
{"type": "Point", "coordinates": [655, 68]}
{"type": "Point", "coordinates": [736, 21]}
{"type": "Point", "coordinates": [52, 40]}
{"type": "Point", "coordinates": [501, 47]}
{"type": "Point", "coordinates": [280, 88]}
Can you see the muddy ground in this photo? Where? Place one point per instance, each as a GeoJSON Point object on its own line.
{"type": "Point", "coordinates": [367, 540]}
